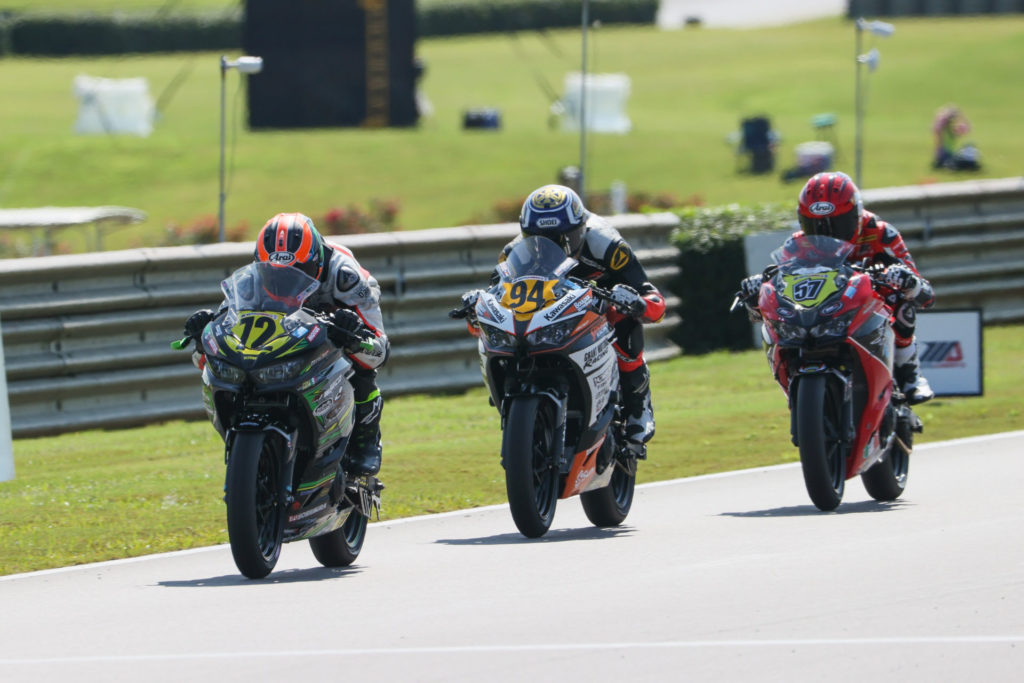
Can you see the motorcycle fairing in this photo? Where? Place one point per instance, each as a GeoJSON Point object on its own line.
{"type": "Point", "coordinates": [583, 475]}
{"type": "Point", "coordinates": [597, 364]}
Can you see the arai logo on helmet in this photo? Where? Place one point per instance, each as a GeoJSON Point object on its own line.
{"type": "Point", "coordinates": [548, 222]}
{"type": "Point", "coordinates": [821, 208]}
{"type": "Point", "coordinates": [281, 258]}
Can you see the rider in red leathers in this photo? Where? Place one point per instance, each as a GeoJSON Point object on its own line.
{"type": "Point", "coordinates": [830, 205]}
{"type": "Point", "coordinates": [557, 213]}
{"type": "Point", "coordinates": [351, 295]}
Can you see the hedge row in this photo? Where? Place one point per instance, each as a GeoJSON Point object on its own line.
{"type": "Point", "coordinates": [42, 34]}
{"type": "Point", "coordinates": [711, 265]}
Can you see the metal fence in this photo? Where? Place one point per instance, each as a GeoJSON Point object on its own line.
{"type": "Point", "coordinates": [967, 238]}
{"type": "Point", "coordinates": [86, 337]}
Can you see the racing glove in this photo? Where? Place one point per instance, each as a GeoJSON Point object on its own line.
{"type": "Point", "coordinates": [469, 300]}
{"type": "Point", "coordinates": [197, 322]}
{"type": "Point", "coordinates": [628, 300]}
{"type": "Point", "coordinates": [347, 330]}
{"type": "Point", "coordinates": [903, 280]}
{"type": "Point", "coordinates": [750, 289]}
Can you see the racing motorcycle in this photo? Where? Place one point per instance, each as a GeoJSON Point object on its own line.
{"type": "Point", "coordinates": [546, 355]}
{"type": "Point", "coordinates": [278, 392]}
{"type": "Point", "coordinates": [828, 336]}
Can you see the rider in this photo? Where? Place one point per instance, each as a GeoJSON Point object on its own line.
{"type": "Point", "coordinates": [557, 212]}
{"type": "Point", "coordinates": [830, 205]}
{"type": "Point", "coordinates": [351, 295]}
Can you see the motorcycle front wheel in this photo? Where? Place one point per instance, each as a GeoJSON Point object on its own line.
{"type": "Point", "coordinates": [819, 406]}
{"type": "Point", "coordinates": [531, 474]}
{"type": "Point", "coordinates": [341, 547]}
{"type": "Point", "coordinates": [255, 512]}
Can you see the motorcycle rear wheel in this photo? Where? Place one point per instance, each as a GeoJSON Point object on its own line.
{"type": "Point", "coordinates": [887, 478]}
{"type": "Point", "coordinates": [609, 505]}
{"type": "Point", "coordinates": [531, 475]}
{"type": "Point", "coordinates": [341, 547]}
{"type": "Point", "coordinates": [819, 405]}
{"type": "Point", "coordinates": [254, 510]}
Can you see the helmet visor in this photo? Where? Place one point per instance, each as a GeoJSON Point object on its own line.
{"type": "Point", "coordinates": [843, 227]}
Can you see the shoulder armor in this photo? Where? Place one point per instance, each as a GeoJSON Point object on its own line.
{"type": "Point", "coordinates": [601, 237]}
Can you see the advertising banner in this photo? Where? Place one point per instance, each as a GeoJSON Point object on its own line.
{"type": "Point", "coordinates": [949, 347]}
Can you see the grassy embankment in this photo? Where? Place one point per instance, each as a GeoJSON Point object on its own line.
{"type": "Point", "coordinates": [108, 494]}
{"type": "Point", "coordinates": [689, 90]}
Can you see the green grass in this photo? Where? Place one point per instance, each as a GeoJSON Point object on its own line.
{"type": "Point", "coordinates": [689, 90]}
{"type": "Point", "coordinates": [101, 495]}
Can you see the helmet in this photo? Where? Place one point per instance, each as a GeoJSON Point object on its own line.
{"type": "Point", "coordinates": [291, 239]}
{"type": "Point", "coordinates": [555, 212]}
{"type": "Point", "coordinates": [830, 205]}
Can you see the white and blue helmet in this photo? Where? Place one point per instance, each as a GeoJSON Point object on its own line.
{"type": "Point", "coordinates": [555, 212]}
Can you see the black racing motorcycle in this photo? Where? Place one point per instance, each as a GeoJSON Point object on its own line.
{"type": "Point", "coordinates": [546, 353]}
{"type": "Point", "coordinates": [278, 392]}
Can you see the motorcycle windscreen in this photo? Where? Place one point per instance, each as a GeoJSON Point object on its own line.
{"type": "Point", "coordinates": [530, 274]}
{"type": "Point", "coordinates": [811, 251]}
{"type": "Point", "coordinates": [266, 287]}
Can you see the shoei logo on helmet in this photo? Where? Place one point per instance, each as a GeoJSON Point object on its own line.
{"type": "Point", "coordinates": [548, 198]}
{"type": "Point", "coordinates": [821, 208]}
{"type": "Point", "coordinates": [281, 258]}
{"type": "Point", "coordinates": [548, 222]}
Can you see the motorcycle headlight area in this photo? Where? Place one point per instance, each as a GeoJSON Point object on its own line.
{"type": "Point", "coordinates": [837, 327]}
{"type": "Point", "coordinates": [788, 331]}
{"type": "Point", "coordinates": [497, 338]}
{"type": "Point", "coordinates": [278, 372]}
{"type": "Point", "coordinates": [552, 334]}
{"type": "Point", "coordinates": [225, 371]}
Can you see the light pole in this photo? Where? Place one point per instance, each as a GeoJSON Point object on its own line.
{"type": "Point", "coordinates": [244, 65]}
{"type": "Point", "coordinates": [584, 20]}
{"type": "Point", "coordinates": [878, 28]}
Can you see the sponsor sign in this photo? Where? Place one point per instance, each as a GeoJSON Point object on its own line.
{"type": "Point", "coordinates": [949, 348]}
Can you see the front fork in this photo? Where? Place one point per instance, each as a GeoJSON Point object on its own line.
{"type": "Point", "coordinates": [286, 464]}
{"type": "Point", "coordinates": [848, 428]}
{"type": "Point", "coordinates": [559, 398]}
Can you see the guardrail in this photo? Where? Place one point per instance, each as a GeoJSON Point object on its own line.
{"type": "Point", "coordinates": [967, 238]}
{"type": "Point", "coordinates": [86, 337]}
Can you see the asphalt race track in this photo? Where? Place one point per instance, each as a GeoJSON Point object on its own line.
{"type": "Point", "coordinates": [721, 578]}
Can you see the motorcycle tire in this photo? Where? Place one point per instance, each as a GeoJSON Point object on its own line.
{"type": "Point", "coordinates": [341, 547]}
{"type": "Point", "coordinates": [819, 406]}
{"type": "Point", "coordinates": [609, 505]}
{"type": "Point", "coordinates": [531, 475]}
{"type": "Point", "coordinates": [254, 510]}
{"type": "Point", "coordinates": [887, 478]}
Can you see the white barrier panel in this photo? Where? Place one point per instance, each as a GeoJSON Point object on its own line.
{"type": "Point", "coordinates": [113, 105]}
{"type": "Point", "coordinates": [949, 348]}
{"type": "Point", "coordinates": [6, 450]}
{"type": "Point", "coordinates": [606, 103]}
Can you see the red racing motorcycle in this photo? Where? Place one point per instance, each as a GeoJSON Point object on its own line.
{"type": "Point", "coordinates": [828, 336]}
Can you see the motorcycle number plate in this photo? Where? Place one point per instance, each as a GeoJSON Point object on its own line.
{"type": "Point", "coordinates": [528, 294]}
{"type": "Point", "coordinates": [809, 290]}
{"type": "Point", "coordinates": [256, 332]}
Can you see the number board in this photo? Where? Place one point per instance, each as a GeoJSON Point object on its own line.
{"type": "Point", "coordinates": [258, 332]}
{"type": "Point", "coordinates": [809, 290]}
{"type": "Point", "coordinates": [528, 294]}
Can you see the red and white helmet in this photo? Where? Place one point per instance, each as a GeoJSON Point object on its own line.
{"type": "Point", "coordinates": [830, 205]}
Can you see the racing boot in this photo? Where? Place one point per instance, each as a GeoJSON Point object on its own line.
{"type": "Point", "coordinates": [636, 402]}
{"type": "Point", "coordinates": [364, 452]}
{"type": "Point", "coordinates": [906, 373]}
